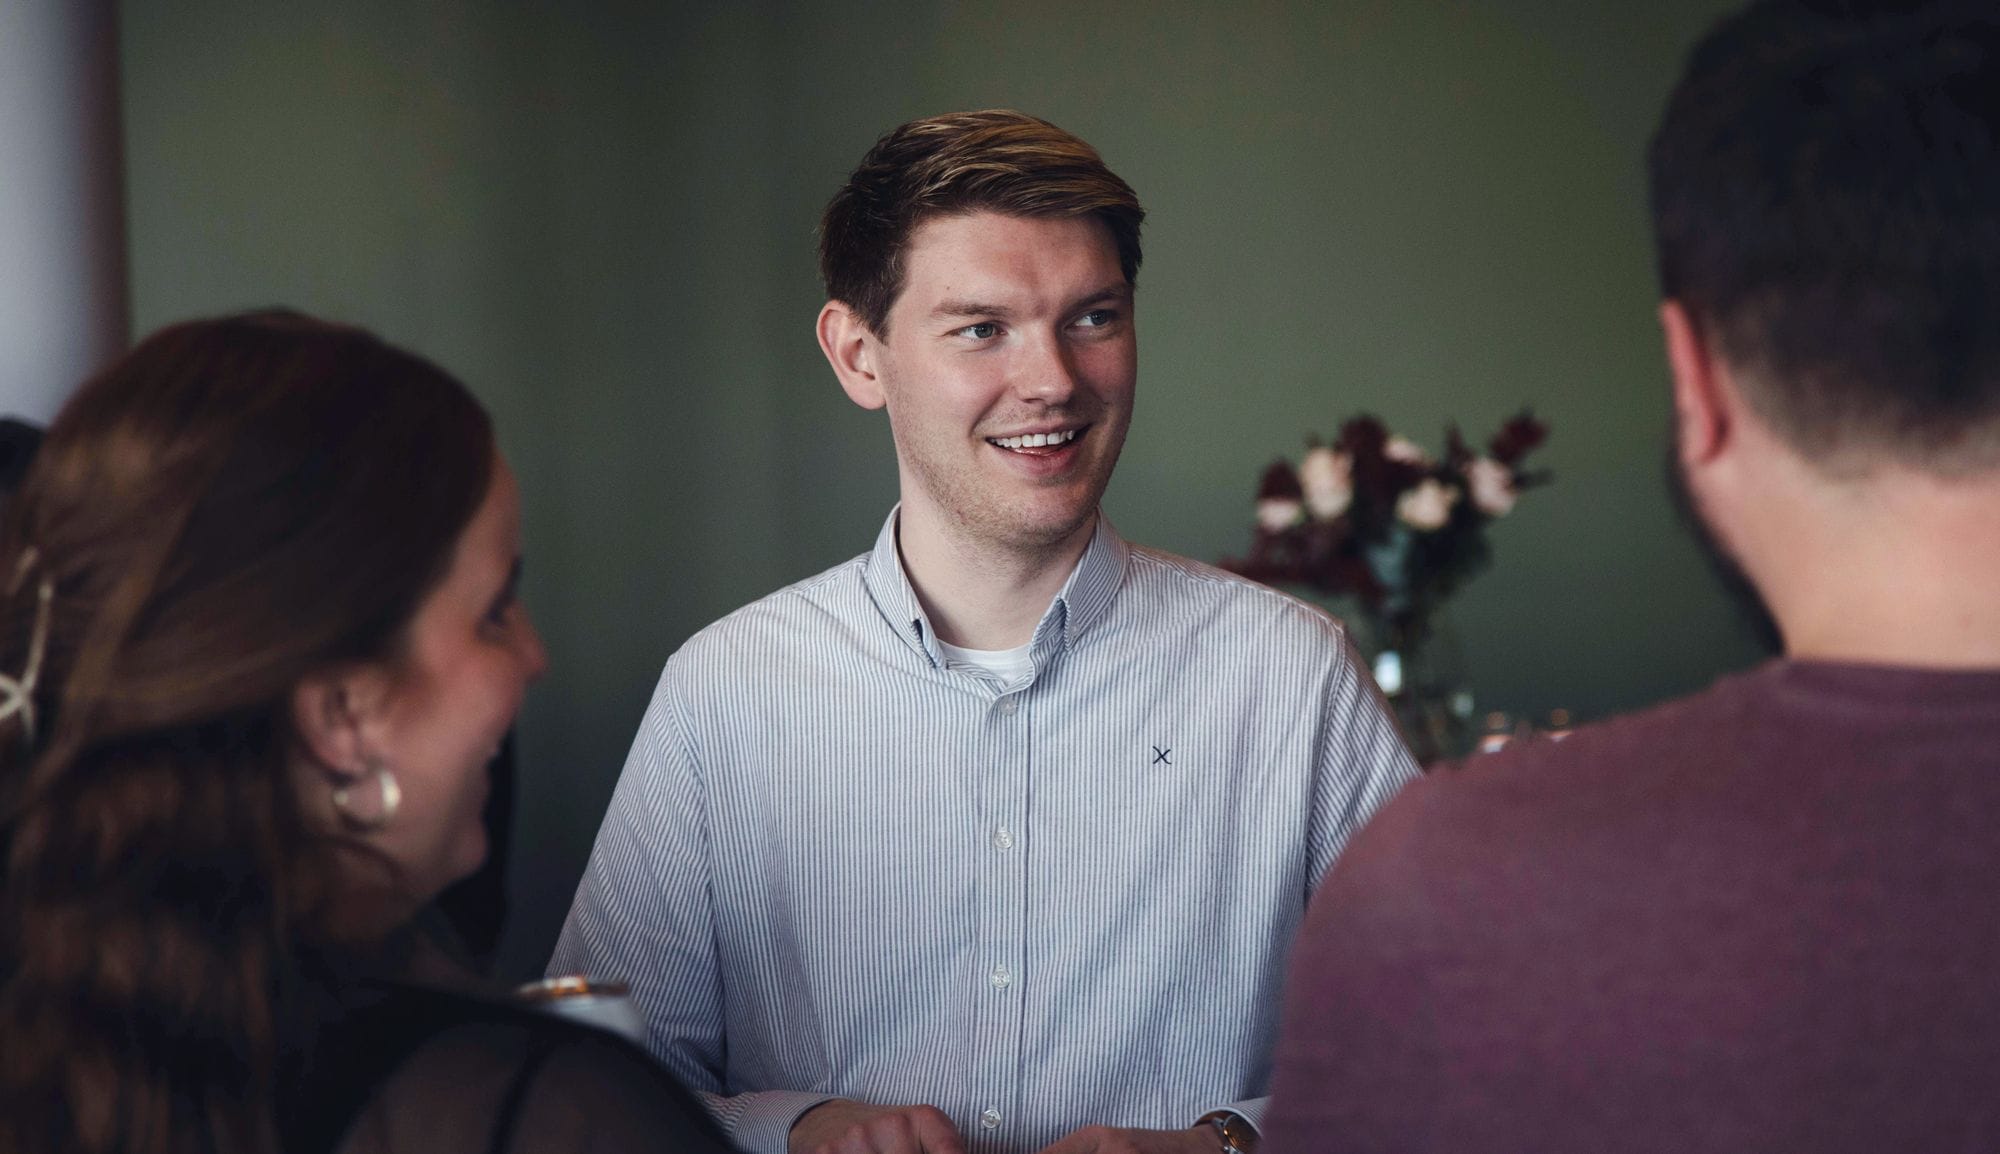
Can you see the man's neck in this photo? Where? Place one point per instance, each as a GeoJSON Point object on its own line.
{"type": "Point", "coordinates": [1896, 570]}
{"type": "Point", "coordinates": [981, 595]}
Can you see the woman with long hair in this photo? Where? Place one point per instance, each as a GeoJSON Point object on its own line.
{"type": "Point", "coordinates": [259, 640]}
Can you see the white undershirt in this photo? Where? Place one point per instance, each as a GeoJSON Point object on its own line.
{"type": "Point", "coordinates": [1011, 666]}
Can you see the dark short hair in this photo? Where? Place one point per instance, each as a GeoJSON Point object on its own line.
{"type": "Point", "coordinates": [997, 160]}
{"type": "Point", "coordinates": [1826, 203]}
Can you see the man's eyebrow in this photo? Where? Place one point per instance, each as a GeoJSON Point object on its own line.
{"type": "Point", "coordinates": [1120, 292]}
{"type": "Point", "coordinates": [967, 308]}
{"type": "Point", "coordinates": [972, 308]}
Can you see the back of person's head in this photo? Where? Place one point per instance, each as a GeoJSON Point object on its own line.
{"type": "Point", "coordinates": [231, 506]}
{"type": "Point", "coordinates": [992, 161]}
{"type": "Point", "coordinates": [1826, 199]}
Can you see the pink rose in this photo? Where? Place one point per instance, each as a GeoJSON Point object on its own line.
{"type": "Point", "coordinates": [1427, 506]}
{"type": "Point", "coordinates": [1328, 480]}
{"type": "Point", "coordinates": [1401, 448]}
{"type": "Point", "coordinates": [1277, 514]}
{"type": "Point", "coordinates": [1492, 485]}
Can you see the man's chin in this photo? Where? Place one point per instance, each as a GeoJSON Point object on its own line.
{"type": "Point", "coordinates": [1044, 531]}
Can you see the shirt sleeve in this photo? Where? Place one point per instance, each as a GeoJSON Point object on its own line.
{"type": "Point", "coordinates": [644, 915]}
{"type": "Point", "coordinates": [1361, 760]}
{"type": "Point", "coordinates": [1251, 1110]}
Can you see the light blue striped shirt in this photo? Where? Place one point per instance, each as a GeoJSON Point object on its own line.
{"type": "Point", "coordinates": [836, 868]}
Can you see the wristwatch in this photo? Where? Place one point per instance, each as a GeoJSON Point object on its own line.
{"type": "Point", "coordinates": [1233, 1131]}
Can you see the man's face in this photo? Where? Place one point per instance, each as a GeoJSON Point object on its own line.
{"type": "Point", "coordinates": [1008, 374]}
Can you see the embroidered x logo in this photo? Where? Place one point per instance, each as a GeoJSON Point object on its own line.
{"type": "Point", "coordinates": [1160, 756]}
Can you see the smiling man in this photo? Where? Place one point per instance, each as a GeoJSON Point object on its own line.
{"type": "Point", "coordinates": [994, 837]}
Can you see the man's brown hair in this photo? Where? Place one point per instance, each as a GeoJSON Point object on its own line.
{"type": "Point", "coordinates": [997, 160]}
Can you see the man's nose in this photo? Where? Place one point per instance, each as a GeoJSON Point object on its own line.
{"type": "Point", "coordinates": [1048, 373]}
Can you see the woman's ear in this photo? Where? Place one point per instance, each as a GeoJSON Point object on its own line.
{"type": "Point", "coordinates": [331, 710]}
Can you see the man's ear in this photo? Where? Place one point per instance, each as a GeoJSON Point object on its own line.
{"type": "Point", "coordinates": [331, 711]}
{"type": "Point", "coordinates": [852, 351]}
{"type": "Point", "coordinates": [1704, 397]}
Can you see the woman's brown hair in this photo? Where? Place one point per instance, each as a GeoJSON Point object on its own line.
{"type": "Point", "coordinates": [235, 504]}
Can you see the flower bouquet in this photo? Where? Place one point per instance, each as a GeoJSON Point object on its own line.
{"type": "Point", "coordinates": [1373, 518]}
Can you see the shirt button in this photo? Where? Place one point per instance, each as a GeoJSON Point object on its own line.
{"type": "Point", "coordinates": [1007, 706]}
{"type": "Point", "coordinates": [1002, 977]}
{"type": "Point", "coordinates": [989, 1119]}
{"type": "Point", "coordinates": [1002, 839]}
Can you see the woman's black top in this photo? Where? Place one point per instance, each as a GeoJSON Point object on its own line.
{"type": "Point", "coordinates": [403, 1068]}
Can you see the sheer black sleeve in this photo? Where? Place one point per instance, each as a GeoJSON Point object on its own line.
{"type": "Point", "coordinates": [448, 1075]}
{"type": "Point", "coordinates": [508, 1089]}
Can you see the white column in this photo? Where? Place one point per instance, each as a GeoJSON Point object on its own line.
{"type": "Point", "coordinates": [62, 238]}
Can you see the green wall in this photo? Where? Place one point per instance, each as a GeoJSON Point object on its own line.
{"type": "Point", "coordinates": [602, 218]}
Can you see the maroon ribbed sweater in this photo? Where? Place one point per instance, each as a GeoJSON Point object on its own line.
{"type": "Point", "coordinates": [1765, 918]}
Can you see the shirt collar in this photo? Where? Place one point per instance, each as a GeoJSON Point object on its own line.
{"type": "Point", "coordinates": [1083, 601]}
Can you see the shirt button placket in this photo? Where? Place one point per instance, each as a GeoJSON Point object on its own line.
{"type": "Point", "coordinates": [1002, 910]}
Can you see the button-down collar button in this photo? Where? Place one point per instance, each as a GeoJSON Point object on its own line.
{"type": "Point", "coordinates": [989, 1119]}
{"type": "Point", "coordinates": [1002, 977]}
{"type": "Point", "coordinates": [1008, 705]}
{"type": "Point", "coordinates": [1002, 839]}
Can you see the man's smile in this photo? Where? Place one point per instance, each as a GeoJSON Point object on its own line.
{"type": "Point", "coordinates": [1039, 444]}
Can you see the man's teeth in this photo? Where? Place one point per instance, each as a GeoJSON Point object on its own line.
{"type": "Point", "coordinates": [1035, 440]}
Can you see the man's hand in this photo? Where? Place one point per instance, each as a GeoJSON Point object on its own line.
{"type": "Point", "coordinates": [844, 1127]}
{"type": "Point", "coordinates": [1105, 1140]}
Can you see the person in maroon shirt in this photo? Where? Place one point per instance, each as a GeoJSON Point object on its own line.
{"type": "Point", "coordinates": [1764, 917]}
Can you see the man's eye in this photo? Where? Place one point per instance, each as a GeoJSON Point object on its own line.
{"type": "Point", "coordinates": [983, 331]}
{"type": "Point", "coordinates": [1097, 318]}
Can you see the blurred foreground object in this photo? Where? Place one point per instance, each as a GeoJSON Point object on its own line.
{"type": "Point", "coordinates": [63, 310]}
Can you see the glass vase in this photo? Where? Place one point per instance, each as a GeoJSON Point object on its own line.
{"type": "Point", "coordinates": [1420, 666]}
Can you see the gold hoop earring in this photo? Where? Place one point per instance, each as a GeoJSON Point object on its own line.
{"type": "Point", "coordinates": [389, 798]}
